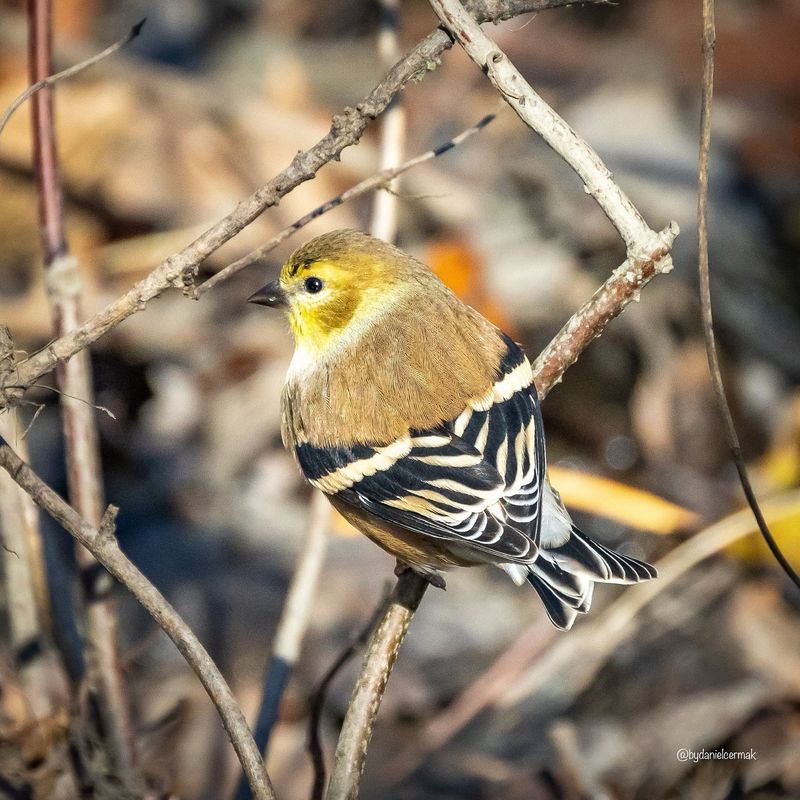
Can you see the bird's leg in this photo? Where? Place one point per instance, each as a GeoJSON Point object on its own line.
{"type": "Point", "coordinates": [433, 578]}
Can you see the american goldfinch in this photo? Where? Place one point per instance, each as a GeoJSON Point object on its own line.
{"type": "Point", "coordinates": [420, 421]}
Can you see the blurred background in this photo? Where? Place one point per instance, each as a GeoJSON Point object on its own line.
{"type": "Point", "coordinates": [210, 102]}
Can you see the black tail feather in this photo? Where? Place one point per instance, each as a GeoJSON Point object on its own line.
{"type": "Point", "coordinates": [564, 576]}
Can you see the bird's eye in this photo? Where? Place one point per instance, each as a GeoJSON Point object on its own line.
{"type": "Point", "coordinates": [313, 285]}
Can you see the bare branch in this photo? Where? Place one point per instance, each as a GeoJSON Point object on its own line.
{"type": "Point", "coordinates": [709, 39]}
{"type": "Point", "coordinates": [105, 549]}
{"type": "Point", "coordinates": [69, 72]}
{"type": "Point", "coordinates": [347, 128]}
{"type": "Point", "coordinates": [80, 431]}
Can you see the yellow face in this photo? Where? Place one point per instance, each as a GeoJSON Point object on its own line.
{"type": "Point", "coordinates": [322, 297]}
{"type": "Point", "coordinates": [334, 284]}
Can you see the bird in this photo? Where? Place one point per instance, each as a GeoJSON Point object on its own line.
{"type": "Point", "coordinates": [421, 423]}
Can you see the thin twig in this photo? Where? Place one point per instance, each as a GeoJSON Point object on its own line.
{"type": "Point", "coordinates": [351, 749]}
{"type": "Point", "coordinates": [320, 695]}
{"type": "Point", "coordinates": [709, 39]}
{"type": "Point", "coordinates": [23, 570]}
{"type": "Point", "coordinates": [104, 547]}
{"type": "Point", "coordinates": [80, 431]}
{"type": "Point", "coordinates": [69, 72]}
{"type": "Point", "coordinates": [379, 180]}
{"type": "Point", "coordinates": [179, 270]}
{"type": "Point", "coordinates": [383, 224]}
{"type": "Point", "coordinates": [292, 626]}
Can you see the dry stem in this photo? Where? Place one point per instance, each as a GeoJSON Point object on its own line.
{"type": "Point", "coordinates": [80, 432]}
{"type": "Point", "coordinates": [709, 40]}
{"type": "Point", "coordinates": [23, 571]}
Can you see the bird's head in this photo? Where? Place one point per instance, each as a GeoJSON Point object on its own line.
{"type": "Point", "coordinates": [335, 284]}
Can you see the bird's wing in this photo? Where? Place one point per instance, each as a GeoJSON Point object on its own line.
{"type": "Point", "coordinates": [506, 427]}
{"type": "Point", "coordinates": [476, 482]}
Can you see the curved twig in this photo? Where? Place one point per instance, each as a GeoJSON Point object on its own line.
{"type": "Point", "coordinates": [69, 72]}
{"type": "Point", "coordinates": [102, 543]}
{"type": "Point", "coordinates": [709, 37]}
{"type": "Point", "coordinates": [81, 447]}
{"type": "Point", "coordinates": [380, 180]}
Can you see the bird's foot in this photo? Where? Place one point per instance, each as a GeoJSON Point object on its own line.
{"type": "Point", "coordinates": [433, 578]}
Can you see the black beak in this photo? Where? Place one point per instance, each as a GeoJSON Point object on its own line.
{"type": "Point", "coordinates": [270, 295]}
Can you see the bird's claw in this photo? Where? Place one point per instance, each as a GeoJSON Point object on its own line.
{"type": "Point", "coordinates": [433, 578]}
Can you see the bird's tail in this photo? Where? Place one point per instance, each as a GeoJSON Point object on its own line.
{"type": "Point", "coordinates": [570, 563]}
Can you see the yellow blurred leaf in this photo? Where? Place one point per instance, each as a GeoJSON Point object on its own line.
{"type": "Point", "coordinates": [785, 529]}
{"type": "Point", "coordinates": [613, 500]}
{"type": "Point", "coordinates": [780, 465]}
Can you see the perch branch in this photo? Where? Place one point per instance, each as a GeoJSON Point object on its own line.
{"type": "Point", "coordinates": [179, 270]}
{"type": "Point", "coordinates": [76, 392]}
{"type": "Point", "coordinates": [102, 543]}
{"type": "Point", "coordinates": [709, 39]}
{"type": "Point", "coordinates": [351, 749]}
